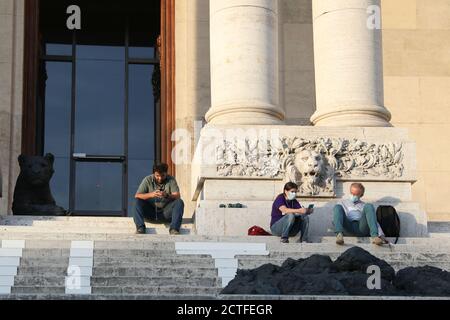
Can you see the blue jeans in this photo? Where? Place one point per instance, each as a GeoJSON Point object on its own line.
{"type": "Point", "coordinates": [290, 225]}
{"type": "Point", "coordinates": [365, 227]}
{"type": "Point", "coordinates": [172, 212]}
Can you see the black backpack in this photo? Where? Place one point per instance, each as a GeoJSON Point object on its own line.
{"type": "Point", "coordinates": [389, 221]}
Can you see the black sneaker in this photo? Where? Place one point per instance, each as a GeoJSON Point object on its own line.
{"type": "Point", "coordinates": [140, 230]}
{"type": "Point", "coordinates": [284, 240]}
{"type": "Point", "coordinates": [174, 232]}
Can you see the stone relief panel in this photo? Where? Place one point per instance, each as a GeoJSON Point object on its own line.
{"type": "Point", "coordinates": [313, 164]}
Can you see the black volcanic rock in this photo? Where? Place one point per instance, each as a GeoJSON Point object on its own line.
{"type": "Point", "coordinates": [319, 275]}
{"type": "Point", "coordinates": [423, 281]}
{"type": "Point", "coordinates": [314, 264]}
{"type": "Point", "coordinates": [358, 259]}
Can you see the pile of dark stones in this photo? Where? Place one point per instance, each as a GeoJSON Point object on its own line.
{"type": "Point", "coordinates": [346, 276]}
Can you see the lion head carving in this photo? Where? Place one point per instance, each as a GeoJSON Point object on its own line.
{"type": "Point", "coordinates": [309, 170]}
{"type": "Point", "coordinates": [309, 164]}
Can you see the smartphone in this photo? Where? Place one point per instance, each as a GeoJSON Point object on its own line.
{"type": "Point", "coordinates": [311, 206]}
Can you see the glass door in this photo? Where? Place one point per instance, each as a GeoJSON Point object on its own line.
{"type": "Point", "coordinates": [100, 96]}
{"type": "Point", "coordinates": [99, 151]}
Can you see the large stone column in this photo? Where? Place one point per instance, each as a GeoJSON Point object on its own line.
{"type": "Point", "coordinates": [244, 62]}
{"type": "Point", "coordinates": [348, 65]}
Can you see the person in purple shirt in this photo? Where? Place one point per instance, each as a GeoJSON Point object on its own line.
{"type": "Point", "coordinates": [288, 216]}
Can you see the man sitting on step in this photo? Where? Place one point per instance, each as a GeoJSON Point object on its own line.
{"type": "Point", "coordinates": [356, 217]}
{"type": "Point", "coordinates": [158, 199]}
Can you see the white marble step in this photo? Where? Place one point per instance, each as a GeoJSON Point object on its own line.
{"type": "Point", "coordinates": [65, 229]}
{"type": "Point", "coordinates": [24, 219]}
{"type": "Point", "coordinates": [152, 239]}
{"type": "Point", "coordinates": [82, 222]}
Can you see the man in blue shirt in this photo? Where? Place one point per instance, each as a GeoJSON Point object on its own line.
{"type": "Point", "coordinates": [288, 216]}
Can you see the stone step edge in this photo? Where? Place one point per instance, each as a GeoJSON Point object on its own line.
{"type": "Point", "coordinates": [132, 237]}
{"type": "Point", "coordinates": [211, 274]}
{"type": "Point", "coordinates": [121, 287]}
{"type": "Point", "coordinates": [141, 240]}
{"type": "Point", "coordinates": [80, 224]}
{"type": "Point", "coordinates": [74, 218]}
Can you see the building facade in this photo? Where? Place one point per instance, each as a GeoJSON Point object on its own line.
{"type": "Point", "coordinates": [307, 67]}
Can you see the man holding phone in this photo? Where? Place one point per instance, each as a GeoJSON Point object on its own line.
{"type": "Point", "coordinates": [158, 199]}
{"type": "Point", "coordinates": [288, 216]}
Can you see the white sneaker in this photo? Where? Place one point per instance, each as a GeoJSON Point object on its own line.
{"type": "Point", "coordinates": [340, 239]}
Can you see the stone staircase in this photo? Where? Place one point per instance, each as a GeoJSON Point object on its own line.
{"type": "Point", "coordinates": [111, 262]}
{"type": "Point", "coordinates": [88, 225]}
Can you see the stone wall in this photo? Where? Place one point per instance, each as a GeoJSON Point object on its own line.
{"type": "Point", "coordinates": [416, 40]}
{"type": "Point", "coordinates": [11, 60]}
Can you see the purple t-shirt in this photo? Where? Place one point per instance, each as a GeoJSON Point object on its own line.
{"type": "Point", "coordinates": [282, 201]}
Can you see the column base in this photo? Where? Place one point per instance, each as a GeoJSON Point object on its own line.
{"type": "Point", "coordinates": [372, 116]}
{"type": "Point", "coordinates": [245, 115]}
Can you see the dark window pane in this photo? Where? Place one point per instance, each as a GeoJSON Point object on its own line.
{"type": "Point", "coordinates": [142, 52]}
{"type": "Point", "coordinates": [141, 129]}
{"type": "Point", "coordinates": [137, 170]}
{"type": "Point", "coordinates": [57, 105]}
{"type": "Point", "coordinates": [99, 120]}
{"type": "Point", "coordinates": [92, 52]}
{"type": "Point", "coordinates": [141, 117]}
{"type": "Point", "coordinates": [58, 49]}
{"type": "Point", "coordinates": [60, 181]}
{"type": "Point", "coordinates": [98, 186]}
{"type": "Point", "coordinates": [100, 85]}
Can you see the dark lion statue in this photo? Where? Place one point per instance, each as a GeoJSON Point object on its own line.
{"type": "Point", "coordinates": [32, 195]}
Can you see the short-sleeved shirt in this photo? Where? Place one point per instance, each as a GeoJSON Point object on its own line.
{"type": "Point", "coordinates": [149, 184]}
{"type": "Point", "coordinates": [279, 201]}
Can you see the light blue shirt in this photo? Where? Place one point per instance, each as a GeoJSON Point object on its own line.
{"type": "Point", "coordinates": [353, 211]}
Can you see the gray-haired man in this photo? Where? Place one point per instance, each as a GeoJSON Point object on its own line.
{"type": "Point", "coordinates": [356, 217]}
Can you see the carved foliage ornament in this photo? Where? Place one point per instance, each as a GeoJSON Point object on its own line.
{"type": "Point", "coordinates": [313, 164]}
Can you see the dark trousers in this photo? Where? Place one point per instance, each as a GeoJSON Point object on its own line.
{"type": "Point", "coordinates": [172, 212]}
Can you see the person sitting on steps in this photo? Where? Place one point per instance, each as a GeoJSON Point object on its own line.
{"type": "Point", "coordinates": [288, 216]}
{"type": "Point", "coordinates": [158, 199]}
{"type": "Point", "coordinates": [356, 217]}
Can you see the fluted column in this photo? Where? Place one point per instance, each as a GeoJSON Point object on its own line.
{"type": "Point", "coordinates": [348, 65]}
{"type": "Point", "coordinates": [244, 62]}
